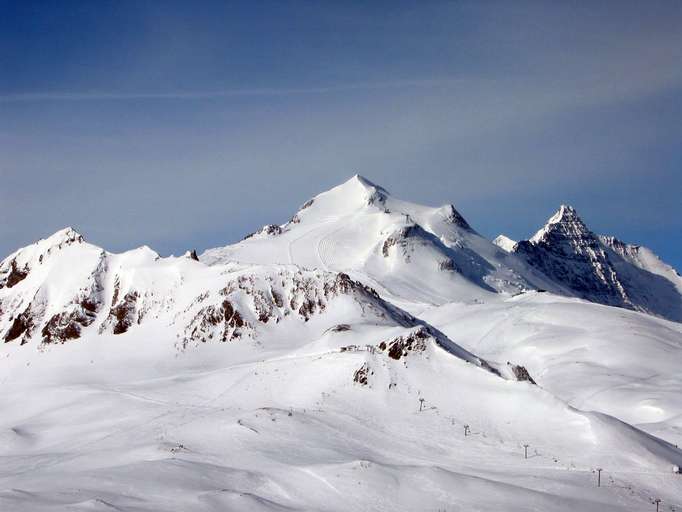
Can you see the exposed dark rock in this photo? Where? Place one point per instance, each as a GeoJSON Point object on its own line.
{"type": "Point", "coordinates": [22, 325]}
{"type": "Point", "coordinates": [402, 345]}
{"type": "Point", "coordinates": [193, 255]}
{"type": "Point", "coordinates": [521, 373]}
{"type": "Point", "coordinates": [341, 328]}
{"type": "Point", "coordinates": [223, 320]}
{"type": "Point", "coordinates": [377, 198]}
{"type": "Point", "coordinates": [89, 305]}
{"type": "Point", "coordinates": [15, 275]}
{"type": "Point", "coordinates": [598, 269]}
{"type": "Point", "coordinates": [232, 317]}
{"type": "Point", "coordinates": [397, 238]}
{"type": "Point", "coordinates": [569, 253]}
{"type": "Point", "coordinates": [124, 312]}
{"type": "Point", "coordinates": [454, 217]}
{"type": "Point", "coordinates": [62, 327]}
{"type": "Point", "coordinates": [67, 325]}
{"type": "Point", "coordinates": [268, 230]}
{"type": "Point", "coordinates": [361, 375]}
{"type": "Point", "coordinates": [274, 297]}
{"type": "Point", "coordinates": [117, 286]}
{"type": "Point", "coordinates": [277, 298]}
{"type": "Point", "coordinates": [447, 266]}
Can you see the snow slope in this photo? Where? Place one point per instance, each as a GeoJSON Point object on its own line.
{"type": "Point", "coordinates": [594, 357]}
{"type": "Point", "coordinates": [504, 242]}
{"type": "Point", "coordinates": [302, 420]}
{"type": "Point", "coordinates": [370, 354]}
{"type": "Point", "coordinates": [643, 258]}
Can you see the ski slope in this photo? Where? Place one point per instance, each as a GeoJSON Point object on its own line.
{"type": "Point", "coordinates": [371, 354]}
{"type": "Point", "coordinates": [132, 424]}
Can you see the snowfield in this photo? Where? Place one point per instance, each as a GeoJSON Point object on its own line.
{"type": "Point", "coordinates": [370, 354]}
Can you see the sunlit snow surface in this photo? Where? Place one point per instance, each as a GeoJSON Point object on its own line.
{"type": "Point", "coordinates": [304, 409]}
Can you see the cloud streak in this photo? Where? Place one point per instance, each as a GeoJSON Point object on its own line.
{"type": "Point", "coordinates": [226, 93]}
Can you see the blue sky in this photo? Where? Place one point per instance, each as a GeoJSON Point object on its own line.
{"type": "Point", "coordinates": [190, 124]}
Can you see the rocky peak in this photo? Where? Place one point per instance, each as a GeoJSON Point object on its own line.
{"type": "Point", "coordinates": [16, 267]}
{"type": "Point", "coordinates": [565, 223]}
{"type": "Point", "coordinates": [65, 236]}
{"type": "Point", "coordinates": [570, 254]}
{"type": "Point", "coordinates": [620, 247]}
{"type": "Point", "coordinates": [452, 216]}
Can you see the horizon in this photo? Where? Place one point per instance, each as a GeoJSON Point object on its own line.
{"type": "Point", "coordinates": [361, 177]}
{"type": "Point", "coordinates": [177, 128]}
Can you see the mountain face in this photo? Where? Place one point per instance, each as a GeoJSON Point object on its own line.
{"type": "Point", "coordinates": [62, 289]}
{"type": "Point", "coordinates": [331, 362]}
{"type": "Point", "coordinates": [406, 251]}
{"type": "Point", "coordinates": [412, 255]}
{"type": "Point", "coordinates": [601, 269]}
{"type": "Point", "coordinates": [643, 258]}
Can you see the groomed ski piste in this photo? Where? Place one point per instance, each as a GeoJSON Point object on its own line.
{"type": "Point", "coordinates": [370, 354]}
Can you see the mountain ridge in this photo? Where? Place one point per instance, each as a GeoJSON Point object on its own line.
{"type": "Point", "coordinates": [403, 248]}
{"type": "Point", "coordinates": [600, 268]}
{"type": "Point", "coordinates": [247, 380]}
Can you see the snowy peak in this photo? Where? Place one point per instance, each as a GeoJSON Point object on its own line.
{"type": "Point", "coordinates": [452, 216]}
{"type": "Point", "coordinates": [17, 266]}
{"type": "Point", "coordinates": [505, 243]}
{"type": "Point", "coordinates": [410, 252]}
{"type": "Point", "coordinates": [66, 236]}
{"type": "Point", "coordinates": [565, 213]}
{"type": "Point", "coordinates": [643, 258]}
{"type": "Point", "coordinates": [564, 223]}
{"type": "Point", "coordinates": [351, 196]}
{"type": "Point", "coordinates": [601, 269]}
{"type": "Point", "coordinates": [360, 181]}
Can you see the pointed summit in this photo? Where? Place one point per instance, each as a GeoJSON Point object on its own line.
{"type": "Point", "coordinates": [601, 269]}
{"type": "Point", "coordinates": [67, 236]}
{"type": "Point", "coordinates": [358, 183]}
{"type": "Point", "coordinates": [565, 223]}
{"type": "Point", "coordinates": [39, 249]}
{"type": "Point", "coordinates": [351, 195]}
{"type": "Point", "coordinates": [566, 214]}
{"type": "Point", "coordinates": [17, 266]}
{"type": "Point", "coordinates": [357, 178]}
{"type": "Point", "coordinates": [452, 216]}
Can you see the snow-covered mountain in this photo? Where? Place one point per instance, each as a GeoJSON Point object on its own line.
{"type": "Point", "coordinates": [408, 252]}
{"type": "Point", "coordinates": [62, 288]}
{"type": "Point", "coordinates": [412, 253]}
{"type": "Point", "coordinates": [602, 269]}
{"type": "Point", "coordinates": [369, 354]}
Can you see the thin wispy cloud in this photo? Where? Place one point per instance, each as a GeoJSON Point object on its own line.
{"type": "Point", "coordinates": [226, 93]}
